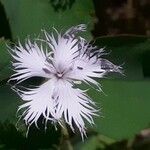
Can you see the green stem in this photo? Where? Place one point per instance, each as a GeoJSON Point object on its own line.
{"type": "Point", "coordinates": [65, 141]}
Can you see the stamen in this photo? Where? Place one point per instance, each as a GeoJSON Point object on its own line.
{"type": "Point", "coordinates": [59, 75]}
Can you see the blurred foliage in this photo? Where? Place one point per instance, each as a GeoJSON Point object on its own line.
{"type": "Point", "coordinates": [11, 138]}
{"type": "Point", "coordinates": [62, 4]}
{"type": "Point", "coordinates": [100, 142]}
{"type": "Point", "coordinates": [125, 109]}
{"type": "Point", "coordinates": [29, 17]}
{"type": "Point", "coordinates": [9, 102]}
{"type": "Point", "coordinates": [4, 27]}
{"type": "Point", "coordinates": [5, 71]}
{"type": "Point", "coordinates": [122, 17]}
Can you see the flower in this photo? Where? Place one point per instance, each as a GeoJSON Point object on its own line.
{"type": "Point", "coordinates": [68, 59]}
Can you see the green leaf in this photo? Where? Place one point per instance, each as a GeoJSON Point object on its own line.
{"type": "Point", "coordinates": [5, 70]}
{"type": "Point", "coordinates": [29, 17]}
{"type": "Point", "coordinates": [125, 104]}
{"type": "Point", "coordinates": [94, 142]}
{"type": "Point", "coordinates": [129, 51]}
{"type": "Point", "coordinates": [9, 102]}
{"type": "Point", "coordinates": [91, 143]}
{"type": "Point", "coordinates": [125, 108]}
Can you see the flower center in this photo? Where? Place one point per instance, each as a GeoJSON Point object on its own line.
{"type": "Point", "coordinates": [59, 75]}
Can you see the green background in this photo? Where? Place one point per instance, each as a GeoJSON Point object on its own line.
{"type": "Point", "coordinates": [125, 102]}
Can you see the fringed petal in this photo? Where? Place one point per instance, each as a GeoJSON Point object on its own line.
{"type": "Point", "coordinates": [38, 102]}
{"type": "Point", "coordinates": [74, 106]}
{"type": "Point", "coordinates": [30, 61]}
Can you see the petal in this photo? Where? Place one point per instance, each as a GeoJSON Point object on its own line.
{"type": "Point", "coordinates": [89, 64]}
{"type": "Point", "coordinates": [66, 46]}
{"type": "Point", "coordinates": [75, 106]}
{"type": "Point", "coordinates": [30, 61]}
{"type": "Point", "coordinates": [38, 102]}
{"type": "Point", "coordinates": [84, 68]}
{"type": "Point", "coordinates": [70, 33]}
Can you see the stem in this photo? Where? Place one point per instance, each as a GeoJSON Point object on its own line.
{"type": "Point", "coordinates": [65, 140]}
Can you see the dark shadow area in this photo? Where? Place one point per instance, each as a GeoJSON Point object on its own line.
{"type": "Point", "coordinates": [146, 64]}
{"type": "Point", "coordinates": [31, 82]}
{"type": "Point", "coordinates": [11, 138]}
{"type": "Point", "coordinates": [4, 24]}
{"type": "Point", "coordinates": [122, 17]}
{"type": "Point", "coordinates": [61, 5]}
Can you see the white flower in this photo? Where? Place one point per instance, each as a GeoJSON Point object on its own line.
{"type": "Point", "coordinates": [69, 59]}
